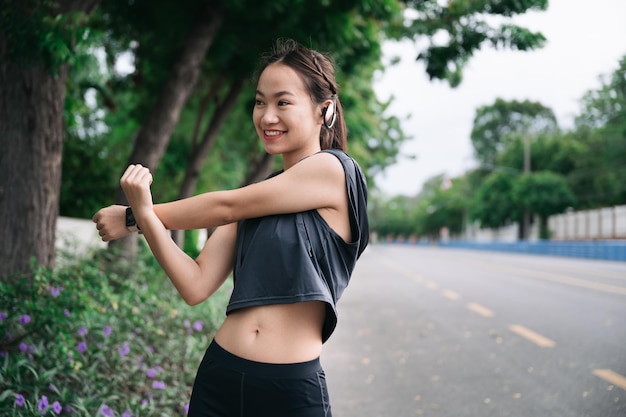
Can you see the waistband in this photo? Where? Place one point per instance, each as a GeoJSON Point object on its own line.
{"type": "Point", "coordinates": [271, 370]}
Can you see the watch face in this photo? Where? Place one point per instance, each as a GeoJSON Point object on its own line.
{"type": "Point", "coordinates": [130, 219]}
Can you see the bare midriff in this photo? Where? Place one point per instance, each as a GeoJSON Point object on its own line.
{"type": "Point", "coordinates": [278, 333]}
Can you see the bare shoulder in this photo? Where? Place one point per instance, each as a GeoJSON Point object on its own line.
{"type": "Point", "coordinates": [322, 165]}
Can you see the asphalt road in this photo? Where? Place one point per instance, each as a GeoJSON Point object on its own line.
{"type": "Point", "coordinates": [443, 332]}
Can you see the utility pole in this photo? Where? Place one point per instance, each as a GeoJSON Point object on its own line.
{"type": "Point", "coordinates": [525, 214]}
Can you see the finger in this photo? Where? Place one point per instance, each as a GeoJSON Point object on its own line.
{"type": "Point", "coordinates": [127, 172]}
{"type": "Point", "coordinates": [135, 173]}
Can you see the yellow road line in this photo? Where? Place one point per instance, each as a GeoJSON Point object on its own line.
{"type": "Point", "coordinates": [478, 309]}
{"type": "Point", "coordinates": [451, 295]}
{"type": "Point", "coordinates": [563, 279]}
{"type": "Point", "coordinates": [432, 285]}
{"type": "Point", "coordinates": [532, 336]}
{"type": "Point", "coordinates": [611, 377]}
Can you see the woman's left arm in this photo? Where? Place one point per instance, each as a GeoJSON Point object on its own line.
{"type": "Point", "coordinates": [315, 182]}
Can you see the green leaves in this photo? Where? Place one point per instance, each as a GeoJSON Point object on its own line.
{"type": "Point", "coordinates": [496, 125]}
{"type": "Point", "coordinates": [459, 28]}
{"type": "Point", "coordinates": [99, 339]}
{"type": "Point", "coordinates": [37, 34]}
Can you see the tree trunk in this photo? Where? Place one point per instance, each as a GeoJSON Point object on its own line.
{"type": "Point", "coordinates": [31, 129]}
{"type": "Point", "coordinates": [261, 168]}
{"type": "Point", "coordinates": [202, 150]}
{"type": "Point", "coordinates": [154, 135]}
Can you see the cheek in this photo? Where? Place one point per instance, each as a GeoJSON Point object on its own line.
{"type": "Point", "coordinates": [256, 117]}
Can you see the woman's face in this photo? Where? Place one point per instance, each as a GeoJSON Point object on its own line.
{"type": "Point", "coordinates": [285, 117]}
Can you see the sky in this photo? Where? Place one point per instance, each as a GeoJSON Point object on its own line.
{"type": "Point", "coordinates": [585, 39]}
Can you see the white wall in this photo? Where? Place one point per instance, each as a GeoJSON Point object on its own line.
{"type": "Point", "coordinates": [604, 223]}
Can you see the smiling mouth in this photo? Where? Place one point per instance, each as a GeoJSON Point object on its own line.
{"type": "Point", "coordinates": [271, 133]}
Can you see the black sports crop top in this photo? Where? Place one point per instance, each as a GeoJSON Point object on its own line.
{"type": "Point", "coordinates": [296, 257]}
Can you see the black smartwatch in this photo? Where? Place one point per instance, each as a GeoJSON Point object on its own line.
{"type": "Point", "coordinates": [131, 223]}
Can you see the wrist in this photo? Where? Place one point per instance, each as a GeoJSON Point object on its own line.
{"type": "Point", "coordinates": [131, 222]}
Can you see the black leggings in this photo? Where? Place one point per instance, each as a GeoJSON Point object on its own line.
{"type": "Point", "coordinates": [229, 386]}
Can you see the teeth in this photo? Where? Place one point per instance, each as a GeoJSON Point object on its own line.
{"type": "Point", "coordinates": [272, 132]}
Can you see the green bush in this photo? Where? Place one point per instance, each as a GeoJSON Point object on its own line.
{"type": "Point", "coordinates": [96, 337]}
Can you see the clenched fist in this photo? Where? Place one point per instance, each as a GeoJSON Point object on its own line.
{"type": "Point", "coordinates": [111, 222]}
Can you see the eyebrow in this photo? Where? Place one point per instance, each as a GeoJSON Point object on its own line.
{"type": "Point", "coordinates": [278, 94]}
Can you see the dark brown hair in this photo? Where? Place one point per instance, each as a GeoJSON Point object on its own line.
{"type": "Point", "coordinates": [318, 74]}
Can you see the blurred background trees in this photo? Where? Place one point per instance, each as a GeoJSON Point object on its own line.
{"type": "Point", "coordinates": [526, 162]}
{"type": "Point", "coordinates": [169, 85]}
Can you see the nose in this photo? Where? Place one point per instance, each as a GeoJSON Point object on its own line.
{"type": "Point", "coordinates": [269, 116]}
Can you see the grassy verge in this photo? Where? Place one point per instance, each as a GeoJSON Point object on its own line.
{"type": "Point", "coordinates": [96, 337]}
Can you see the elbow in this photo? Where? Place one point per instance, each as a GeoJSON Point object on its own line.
{"type": "Point", "coordinates": [193, 299]}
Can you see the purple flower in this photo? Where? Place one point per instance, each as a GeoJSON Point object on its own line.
{"type": "Point", "coordinates": [186, 324]}
{"type": "Point", "coordinates": [24, 319]}
{"type": "Point", "coordinates": [158, 384]}
{"type": "Point", "coordinates": [127, 413]}
{"type": "Point", "coordinates": [197, 325]}
{"type": "Point", "coordinates": [151, 373]}
{"type": "Point", "coordinates": [55, 291]}
{"type": "Point", "coordinates": [186, 408]}
{"type": "Point", "coordinates": [43, 403]}
{"type": "Point", "coordinates": [82, 331]}
{"type": "Point", "coordinates": [19, 400]}
{"type": "Point", "coordinates": [106, 411]}
{"type": "Point", "coordinates": [56, 407]}
{"type": "Point", "coordinates": [3, 315]}
{"type": "Point", "coordinates": [23, 347]}
{"type": "Point", "coordinates": [124, 349]}
{"type": "Point", "coordinates": [81, 347]}
{"type": "Point", "coordinates": [107, 331]}
{"type": "Point", "coordinates": [144, 402]}
{"type": "Point", "coordinates": [66, 312]}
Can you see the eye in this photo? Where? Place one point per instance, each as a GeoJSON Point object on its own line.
{"type": "Point", "coordinates": [258, 102]}
{"type": "Point", "coordinates": [282, 103]}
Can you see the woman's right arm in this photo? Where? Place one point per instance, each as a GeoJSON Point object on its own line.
{"type": "Point", "coordinates": [186, 214]}
{"type": "Point", "coordinates": [194, 280]}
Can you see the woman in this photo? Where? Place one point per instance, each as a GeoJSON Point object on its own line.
{"type": "Point", "coordinates": [291, 242]}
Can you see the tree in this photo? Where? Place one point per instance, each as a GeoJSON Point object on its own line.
{"type": "Point", "coordinates": [168, 48]}
{"type": "Point", "coordinates": [457, 29]}
{"type": "Point", "coordinates": [599, 178]}
{"type": "Point", "coordinates": [36, 44]}
{"type": "Point", "coordinates": [442, 205]}
{"type": "Point", "coordinates": [493, 204]}
{"type": "Point", "coordinates": [496, 125]}
{"type": "Point", "coordinates": [543, 193]}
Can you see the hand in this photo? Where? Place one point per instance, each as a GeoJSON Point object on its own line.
{"type": "Point", "coordinates": [111, 222]}
{"type": "Point", "coordinates": [136, 186]}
